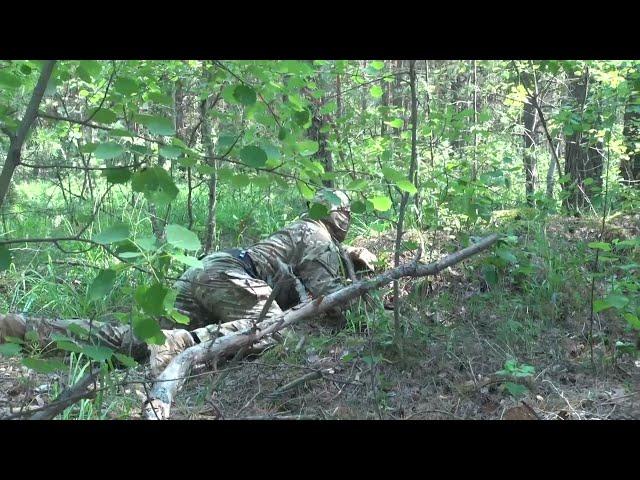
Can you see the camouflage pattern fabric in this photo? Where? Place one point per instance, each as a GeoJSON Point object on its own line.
{"type": "Point", "coordinates": [307, 248]}
{"type": "Point", "coordinates": [225, 296]}
{"type": "Point", "coordinates": [222, 291]}
{"type": "Point", "coordinates": [113, 335]}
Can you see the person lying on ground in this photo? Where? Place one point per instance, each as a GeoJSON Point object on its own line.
{"type": "Point", "coordinates": [229, 293]}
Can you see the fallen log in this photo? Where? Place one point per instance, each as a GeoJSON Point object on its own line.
{"type": "Point", "coordinates": [166, 386]}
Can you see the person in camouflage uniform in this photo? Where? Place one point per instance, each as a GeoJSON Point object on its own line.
{"type": "Point", "coordinates": [235, 289]}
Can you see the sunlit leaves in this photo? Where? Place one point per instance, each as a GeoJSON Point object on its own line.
{"type": "Point", "coordinates": [308, 147]}
{"type": "Point", "coordinates": [307, 192]}
{"type": "Point", "coordinates": [395, 123]}
{"type": "Point", "coordinates": [376, 91]}
{"type": "Point", "coordinates": [180, 318]}
{"type": "Point", "coordinates": [381, 203]}
{"type": "Point", "coordinates": [406, 186]}
{"type": "Point", "coordinates": [604, 246]}
{"type": "Point", "coordinates": [182, 238]}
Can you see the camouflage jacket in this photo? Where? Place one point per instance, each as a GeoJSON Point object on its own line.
{"type": "Point", "coordinates": [303, 253]}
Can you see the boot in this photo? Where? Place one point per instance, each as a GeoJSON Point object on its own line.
{"type": "Point", "coordinates": [12, 325]}
{"type": "Point", "coordinates": [160, 355]}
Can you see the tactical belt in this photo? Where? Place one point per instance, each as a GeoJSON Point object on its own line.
{"type": "Point", "coordinates": [246, 260]}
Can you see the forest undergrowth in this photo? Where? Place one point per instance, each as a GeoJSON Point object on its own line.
{"type": "Point", "coordinates": [512, 345]}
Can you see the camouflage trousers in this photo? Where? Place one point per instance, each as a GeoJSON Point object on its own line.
{"type": "Point", "coordinates": [220, 299]}
{"type": "Point", "coordinates": [222, 292]}
{"type": "Point", "coordinates": [119, 337]}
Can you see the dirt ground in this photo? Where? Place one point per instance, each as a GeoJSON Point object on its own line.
{"type": "Point", "coordinates": [448, 369]}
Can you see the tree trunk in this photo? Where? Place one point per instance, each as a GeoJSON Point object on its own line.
{"type": "Point", "coordinates": [17, 141]}
{"type": "Point", "coordinates": [582, 158]}
{"type": "Point", "coordinates": [630, 168]}
{"type": "Point", "coordinates": [210, 236]}
{"type": "Point", "coordinates": [528, 157]}
{"type": "Point", "coordinates": [396, 97]}
{"type": "Point", "coordinates": [551, 170]}
{"type": "Point", "coordinates": [474, 167]}
{"type": "Point", "coordinates": [405, 200]}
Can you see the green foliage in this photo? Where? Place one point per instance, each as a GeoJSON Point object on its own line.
{"type": "Point", "coordinates": [156, 185]}
{"type": "Point", "coordinates": [115, 233]}
{"type": "Point", "coordinates": [44, 366]}
{"type": "Point", "coordinates": [5, 258]}
{"type": "Point", "coordinates": [515, 370]}
{"type": "Point", "coordinates": [117, 175]}
{"type": "Point", "coordinates": [102, 285]}
{"type": "Point", "coordinates": [182, 238]}
{"type": "Point", "coordinates": [318, 211]}
{"type": "Point", "coordinates": [245, 95]}
{"type": "Point", "coordinates": [10, 349]}
{"type": "Point", "coordinates": [282, 117]}
{"type": "Point", "coordinates": [108, 150]}
{"type": "Point", "coordinates": [381, 203]}
{"type": "Point", "coordinates": [253, 156]}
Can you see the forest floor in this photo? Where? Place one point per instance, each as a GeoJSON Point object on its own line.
{"type": "Point", "coordinates": [460, 333]}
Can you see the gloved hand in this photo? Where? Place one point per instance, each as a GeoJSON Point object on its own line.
{"type": "Point", "coordinates": [362, 258]}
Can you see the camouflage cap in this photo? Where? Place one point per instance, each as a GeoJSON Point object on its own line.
{"type": "Point", "coordinates": [337, 215]}
{"type": "Point", "coordinates": [332, 199]}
